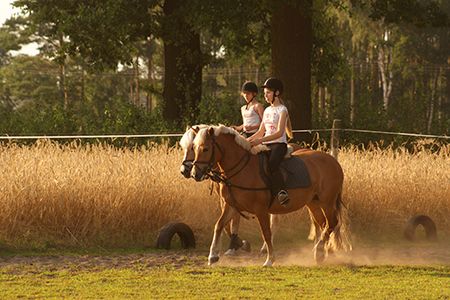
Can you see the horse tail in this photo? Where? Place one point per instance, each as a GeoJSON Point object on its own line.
{"type": "Point", "coordinates": [340, 238]}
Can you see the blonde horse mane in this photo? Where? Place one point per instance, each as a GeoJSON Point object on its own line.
{"type": "Point", "coordinates": [188, 137]}
{"type": "Point", "coordinates": [239, 139]}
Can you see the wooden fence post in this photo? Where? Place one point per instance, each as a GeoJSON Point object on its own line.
{"type": "Point", "coordinates": [335, 138]}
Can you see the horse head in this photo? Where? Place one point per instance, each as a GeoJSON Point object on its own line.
{"type": "Point", "coordinates": [206, 152]}
{"type": "Point", "coordinates": [186, 144]}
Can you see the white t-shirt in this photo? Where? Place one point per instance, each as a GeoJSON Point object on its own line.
{"type": "Point", "coordinates": [250, 117]}
{"type": "Point", "coordinates": [271, 118]}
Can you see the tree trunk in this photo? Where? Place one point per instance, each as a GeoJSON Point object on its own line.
{"type": "Point", "coordinates": [149, 104]}
{"type": "Point", "coordinates": [137, 92]}
{"type": "Point", "coordinates": [322, 102]}
{"type": "Point", "coordinates": [384, 61]}
{"type": "Point", "coordinates": [374, 80]}
{"type": "Point", "coordinates": [83, 85]}
{"type": "Point", "coordinates": [352, 91]}
{"type": "Point", "coordinates": [183, 66]}
{"type": "Point", "coordinates": [63, 85]}
{"type": "Point", "coordinates": [62, 76]}
{"type": "Point", "coordinates": [131, 97]}
{"type": "Point", "coordinates": [315, 103]}
{"type": "Point", "coordinates": [432, 99]}
{"type": "Point", "coordinates": [291, 34]}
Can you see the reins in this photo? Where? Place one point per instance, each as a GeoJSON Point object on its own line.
{"type": "Point", "coordinates": [219, 176]}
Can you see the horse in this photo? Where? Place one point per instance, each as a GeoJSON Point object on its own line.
{"type": "Point", "coordinates": [242, 187]}
{"type": "Point", "coordinates": [233, 226]}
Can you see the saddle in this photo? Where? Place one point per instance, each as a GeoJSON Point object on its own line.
{"type": "Point", "coordinates": [292, 168]}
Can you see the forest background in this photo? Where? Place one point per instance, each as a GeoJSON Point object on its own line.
{"type": "Point", "coordinates": [152, 66]}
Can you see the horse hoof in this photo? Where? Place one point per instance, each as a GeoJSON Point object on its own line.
{"type": "Point", "coordinates": [268, 263]}
{"type": "Point", "coordinates": [319, 252]}
{"type": "Point", "coordinates": [230, 252]}
{"type": "Point", "coordinates": [212, 260]}
{"type": "Point", "coordinates": [319, 256]}
{"type": "Point", "coordinates": [246, 246]}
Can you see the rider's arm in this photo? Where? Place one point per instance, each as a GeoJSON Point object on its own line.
{"type": "Point", "coordinates": [238, 128]}
{"type": "Point", "coordinates": [277, 134]}
{"type": "Point", "coordinates": [259, 110]}
{"type": "Point", "coordinates": [259, 133]}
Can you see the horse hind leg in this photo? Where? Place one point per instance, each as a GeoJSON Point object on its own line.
{"type": "Point", "coordinates": [335, 234]}
{"type": "Point", "coordinates": [318, 227]}
{"type": "Point", "coordinates": [314, 229]}
{"type": "Point", "coordinates": [339, 235]}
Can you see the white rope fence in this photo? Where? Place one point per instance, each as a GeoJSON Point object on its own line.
{"type": "Point", "coordinates": [165, 135]}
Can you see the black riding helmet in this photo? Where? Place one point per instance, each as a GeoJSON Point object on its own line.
{"type": "Point", "coordinates": [249, 86]}
{"type": "Point", "coordinates": [274, 85]}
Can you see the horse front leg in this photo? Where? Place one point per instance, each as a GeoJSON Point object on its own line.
{"type": "Point", "coordinates": [274, 219]}
{"type": "Point", "coordinates": [264, 223]}
{"type": "Point", "coordinates": [224, 218]}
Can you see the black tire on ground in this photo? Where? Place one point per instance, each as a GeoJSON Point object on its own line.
{"type": "Point", "coordinates": [426, 222]}
{"type": "Point", "coordinates": [167, 232]}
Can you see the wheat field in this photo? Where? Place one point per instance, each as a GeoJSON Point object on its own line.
{"type": "Point", "coordinates": [74, 195]}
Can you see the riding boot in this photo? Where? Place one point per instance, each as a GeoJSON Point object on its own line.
{"type": "Point", "coordinates": [276, 188]}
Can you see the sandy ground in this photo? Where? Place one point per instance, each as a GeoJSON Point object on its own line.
{"type": "Point", "coordinates": [406, 254]}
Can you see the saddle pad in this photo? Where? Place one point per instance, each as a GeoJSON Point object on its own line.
{"type": "Point", "coordinates": [296, 174]}
{"type": "Point", "coordinates": [294, 171]}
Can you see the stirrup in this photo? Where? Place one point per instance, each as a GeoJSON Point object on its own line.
{"type": "Point", "coordinates": [283, 197]}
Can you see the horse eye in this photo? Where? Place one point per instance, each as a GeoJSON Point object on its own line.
{"type": "Point", "coordinates": [205, 149]}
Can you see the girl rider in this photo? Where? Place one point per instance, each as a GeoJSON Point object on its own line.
{"type": "Point", "coordinates": [273, 131]}
{"type": "Point", "coordinates": [252, 111]}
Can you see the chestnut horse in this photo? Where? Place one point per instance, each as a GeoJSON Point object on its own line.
{"type": "Point", "coordinates": [243, 189]}
{"type": "Point", "coordinates": [233, 225]}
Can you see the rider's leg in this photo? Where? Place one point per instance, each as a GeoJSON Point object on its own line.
{"type": "Point", "coordinates": [277, 153]}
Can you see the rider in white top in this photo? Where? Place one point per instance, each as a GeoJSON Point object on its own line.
{"type": "Point", "coordinates": [271, 119]}
{"type": "Point", "coordinates": [250, 117]}
{"type": "Point", "coordinates": [272, 132]}
{"type": "Point", "coordinates": [252, 111]}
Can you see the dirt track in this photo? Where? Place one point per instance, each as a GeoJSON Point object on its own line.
{"type": "Point", "coordinates": [415, 254]}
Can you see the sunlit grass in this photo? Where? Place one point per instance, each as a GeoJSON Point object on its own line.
{"type": "Point", "coordinates": [346, 282]}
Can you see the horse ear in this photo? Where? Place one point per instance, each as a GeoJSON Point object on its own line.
{"type": "Point", "coordinates": [195, 129]}
{"type": "Point", "coordinates": [210, 131]}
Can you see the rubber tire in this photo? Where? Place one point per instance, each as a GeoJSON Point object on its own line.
{"type": "Point", "coordinates": [426, 222]}
{"type": "Point", "coordinates": [167, 232]}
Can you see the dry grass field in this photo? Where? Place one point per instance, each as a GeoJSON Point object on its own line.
{"type": "Point", "coordinates": [98, 195]}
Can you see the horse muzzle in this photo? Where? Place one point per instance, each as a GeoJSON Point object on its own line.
{"type": "Point", "coordinates": [198, 174]}
{"type": "Point", "coordinates": [186, 169]}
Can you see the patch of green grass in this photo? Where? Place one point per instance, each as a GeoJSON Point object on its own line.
{"type": "Point", "coordinates": [140, 281]}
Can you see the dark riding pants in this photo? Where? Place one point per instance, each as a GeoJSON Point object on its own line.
{"type": "Point", "coordinates": [277, 153]}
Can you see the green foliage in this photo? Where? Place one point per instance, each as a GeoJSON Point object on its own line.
{"type": "Point", "coordinates": [223, 109]}
{"type": "Point", "coordinates": [83, 38]}
{"type": "Point", "coordinates": [102, 32]}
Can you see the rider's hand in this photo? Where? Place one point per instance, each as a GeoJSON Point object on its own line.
{"type": "Point", "coordinates": [255, 142]}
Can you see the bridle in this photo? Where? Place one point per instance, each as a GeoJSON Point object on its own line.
{"type": "Point", "coordinates": [219, 176]}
